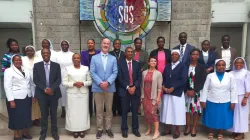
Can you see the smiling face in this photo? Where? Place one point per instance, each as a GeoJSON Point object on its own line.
{"type": "Point", "coordinates": [76, 58]}
{"type": "Point", "coordinates": [220, 66]}
{"type": "Point", "coordinates": [175, 57]}
{"type": "Point", "coordinates": [17, 61]}
{"type": "Point", "coordinates": [65, 46]}
{"type": "Point", "coordinates": [46, 55]}
{"type": "Point", "coordinates": [14, 47]}
{"type": "Point", "coordinates": [205, 46]}
{"type": "Point", "coordinates": [239, 64]}
{"type": "Point", "coordinates": [129, 52]}
{"type": "Point", "coordinates": [105, 45]}
{"type": "Point", "coordinates": [117, 45]}
{"type": "Point", "coordinates": [138, 44]}
{"type": "Point", "coordinates": [45, 44]}
{"type": "Point", "coordinates": [30, 52]}
{"type": "Point", "coordinates": [195, 55]}
{"type": "Point", "coordinates": [91, 44]}
{"type": "Point", "coordinates": [225, 41]}
{"type": "Point", "coordinates": [183, 38]}
{"type": "Point", "coordinates": [152, 62]}
{"type": "Point", "coordinates": [160, 43]}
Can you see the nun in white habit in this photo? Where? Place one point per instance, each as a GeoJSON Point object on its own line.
{"type": "Point", "coordinates": [64, 58]}
{"type": "Point", "coordinates": [173, 110]}
{"type": "Point", "coordinates": [46, 43]}
{"type": "Point", "coordinates": [241, 110]}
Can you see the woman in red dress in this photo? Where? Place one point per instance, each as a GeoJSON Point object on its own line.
{"type": "Point", "coordinates": [151, 96]}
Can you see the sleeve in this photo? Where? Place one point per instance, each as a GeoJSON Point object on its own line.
{"type": "Point", "coordinates": [93, 70]}
{"type": "Point", "coordinates": [204, 92]}
{"type": "Point", "coordinates": [8, 80]}
{"type": "Point", "coordinates": [145, 66]}
{"type": "Point", "coordinates": [182, 80]}
{"type": "Point", "coordinates": [4, 63]}
{"type": "Point", "coordinates": [247, 82]}
{"type": "Point", "coordinates": [120, 78]}
{"type": "Point", "coordinates": [137, 82]}
{"type": "Point", "coordinates": [233, 94]}
{"type": "Point", "coordinates": [58, 80]}
{"type": "Point", "coordinates": [66, 82]}
{"type": "Point", "coordinates": [32, 85]}
{"type": "Point", "coordinates": [36, 79]}
{"type": "Point", "coordinates": [142, 84]}
{"type": "Point", "coordinates": [159, 82]}
{"type": "Point", "coordinates": [113, 76]}
{"type": "Point", "coordinates": [88, 82]}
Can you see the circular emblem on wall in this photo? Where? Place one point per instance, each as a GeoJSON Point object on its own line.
{"type": "Point", "coordinates": [125, 19]}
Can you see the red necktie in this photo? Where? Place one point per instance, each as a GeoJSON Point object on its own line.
{"type": "Point", "coordinates": [130, 73]}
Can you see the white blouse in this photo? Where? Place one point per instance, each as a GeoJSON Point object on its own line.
{"type": "Point", "coordinates": [242, 78]}
{"type": "Point", "coordinates": [217, 91]}
{"type": "Point", "coordinates": [64, 59]}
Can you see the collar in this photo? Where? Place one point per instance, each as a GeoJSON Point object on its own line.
{"type": "Point", "coordinates": [205, 52]}
{"type": "Point", "coordinates": [176, 63]}
{"type": "Point", "coordinates": [46, 63]}
{"type": "Point", "coordinates": [184, 45]}
{"type": "Point", "coordinates": [225, 49]}
{"type": "Point", "coordinates": [103, 54]}
{"type": "Point", "coordinates": [129, 61]}
{"type": "Point", "coordinates": [117, 51]}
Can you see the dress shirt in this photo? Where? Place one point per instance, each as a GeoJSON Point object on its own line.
{"type": "Point", "coordinates": [104, 60]}
{"type": "Point", "coordinates": [226, 56]}
{"type": "Point", "coordinates": [45, 65]}
{"type": "Point", "coordinates": [175, 64]}
{"type": "Point", "coordinates": [184, 48]}
{"type": "Point", "coordinates": [205, 53]}
{"type": "Point", "coordinates": [219, 92]}
{"type": "Point", "coordinates": [128, 68]}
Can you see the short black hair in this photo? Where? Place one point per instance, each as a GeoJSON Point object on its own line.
{"type": "Point", "coordinates": [117, 40]}
{"type": "Point", "coordinates": [160, 37]}
{"type": "Point", "coordinates": [195, 49]}
{"type": "Point", "coordinates": [225, 36]}
{"type": "Point", "coordinates": [9, 41]}
{"type": "Point", "coordinates": [92, 40]}
{"type": "Point", "coordinates": [183, 33]}
{"type": "Point", "coordinates": [205, 41]}
{"type": "Point", "coordinates": [128, 48]}
{"type": "Point", "coordinates": [137, 39]}
{"type": "Point", "coordinates": [45, 49]}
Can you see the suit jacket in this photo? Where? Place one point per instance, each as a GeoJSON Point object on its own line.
{"type": "Point", "coordinates": [122, 55]}
{"type": "Point", "coordinates": [123, 77]}
{"type": "Point", "coordinates": [143, 60]}
{"type": "Point", "coordinates": [154, 53]}
{"type": "Point", "coordinates": [186, 56]}
{"type": "Point", "coordinates": [99, 75]}
{"type": "Point", "coordinates": [211, 59]}
{"type": "Point", "coordinates": [200, 78]}
{"type": "Point", "coordinates": [71, 76]}
{"type": "Point", "coordinates": [17, 85]}
{"type": "Point", "coordinates": [85, 57]}
{"type": "Point", "coordinates": [233, 51]}
{"type": "Point", "coordinates": [176, 78]}
{"type": "Point", "coordinates": [39, 79]}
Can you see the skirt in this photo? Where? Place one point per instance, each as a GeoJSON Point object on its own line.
{"type": "Point", "coordinates": [63, 99]}
{"type": "Point", "coordinates": [218, 115]}
{"type": "Point", "coordinates": [20, 117]}
{"type": "Point", "coordinates": [193, 104]}
{"type": "Point", "coordinates": [173, 110]}
{"type": "Point", "coordinates": [241, 115]}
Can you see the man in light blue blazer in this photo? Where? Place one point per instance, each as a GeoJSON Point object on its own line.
{"type": "Point", "coordinates": [103, 69]}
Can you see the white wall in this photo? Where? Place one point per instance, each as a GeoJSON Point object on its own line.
{"type": "Point", "coordinates": [15, 11]}
{"type": "Point", "coordinates": [230, 11]}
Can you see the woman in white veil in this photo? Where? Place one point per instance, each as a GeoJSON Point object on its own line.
{"type": "Point", "coordinates": [46, 43]}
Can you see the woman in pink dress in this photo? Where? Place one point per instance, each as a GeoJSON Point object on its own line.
{"type": "Point", "coordinates": [151, 95]}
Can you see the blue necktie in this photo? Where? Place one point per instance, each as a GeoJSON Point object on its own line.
{"type": "Point", "coordinates": [47, 74]}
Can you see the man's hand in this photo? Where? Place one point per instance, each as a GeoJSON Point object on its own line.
{"type": "Point", "coordinates": [12, 104]}
{"type": "Point", "coordinates": [131, 90]}
{"type": "Point", "coordinates": [104, 85]}
{"type": "Point", "coordinates": [49, 91]}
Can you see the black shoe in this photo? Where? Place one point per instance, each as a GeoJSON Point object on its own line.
{"type": "Point", "coordinates": [55, 137]}
{"type": "Point", "coordinates": [185, 134]}
{"type": "Point", "coordinates": [136, 133]}
{"type": "Point", "coordinates": [165, 133]}
{"type": "Point", "coordinates": [193, 135]}
{"type": "Point", "coordinates": [176, 136]}
{"type": "Point", "coordinates": [99, 134]}
{"type": "Point", "coordinates": [124, 134]}
{"type": "Point", "coordinates": [19, 138]}
{"type": "Point", "coordinates": [27, 137]}
{"type": "Point", "coordinates": [110, 134]}
{"type": "Point", "coordinates": [43, 136]}
{"type": "Point", "coordinates": [63, 112]}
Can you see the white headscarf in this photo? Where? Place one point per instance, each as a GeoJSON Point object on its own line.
{"type": "Point", "coordinates": [245, 65]}
{"type": "Point", "coordinates": [216, 61]}
{"type": "Point", "coordinates": [65, 41]}
{"type": "Point", "coordinates": [176, 51]}
{"type": "Point", "coordinates": [30, 46]}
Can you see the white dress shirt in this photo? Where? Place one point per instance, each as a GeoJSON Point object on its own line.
{"type": "Point", "coordinates": [16, 85]}
{"type": "Point", "coordinates": [45, 65]}
{"type": "Point", "coordinates": [175, 64]}
{"type": "Point", "coordinates": [226, 56]}
{"type": "Point", "coordinates": [217, 91]}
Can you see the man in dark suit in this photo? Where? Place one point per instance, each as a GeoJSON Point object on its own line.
{"type": "Point", "coordinates": [129, 76]}
{"type": "Point", "coordinates": [47, 78]}
{"type": "Point", "coordinates": [119, 55]}
{"type": "Point", "coordinates": [184, 48]}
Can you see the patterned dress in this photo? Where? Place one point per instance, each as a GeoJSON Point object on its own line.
{"type": "Point", "coordinates": [150, 110]}
{"type": "Point", "coordinates": [193, 103]}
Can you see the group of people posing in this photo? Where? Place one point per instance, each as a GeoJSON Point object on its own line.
{"type": "Point", "coordinates": [173, 87]}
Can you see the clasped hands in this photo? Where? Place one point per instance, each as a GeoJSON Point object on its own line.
{"type": "Point", "coordinates": [168, 90]}
{"type": "Point", "coordinates": [131, 90]}
{"type": "Point", "coordinates": [104, 85]}
{"type": "Point", "coordinates": [78, 84]}
{"type": "Point", "coordinates": [190, 93]}
{"type": "Point", "coordinates": [48, 91]}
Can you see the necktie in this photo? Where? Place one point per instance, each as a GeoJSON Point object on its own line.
{"type": "Point", "coordinates": [47, 74]}
{"type": "Point", "coordinates": [182, 53]}
{"type": "Point", "coordinates": [130, 73]}
{"type": "Point", "coordinates": [104, 61]}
